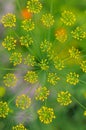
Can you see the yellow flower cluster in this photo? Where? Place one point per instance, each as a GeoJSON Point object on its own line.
{"type": "Point", "coordinates": [64, 98]}
{"type": "Point", "coordinates": [8, 20]}
{"type": "Point", "coordinates": [31, 77]}
{"type": "Point", "coordinates": [34, 6]}
{"type": "Point", "coordinates": [16, 58]}
{"type": "Point", "coordinates": [46, 46]}
{"type": "Point", "coordinates": [53, 78]}
{"type": "Point", "coordinates": [10, 80]}
{"type": "Point", "coordinates": [19, 127]}
{"type": "Point", "coordinates": [72, 78]}
{"type": "Point", "coordinates": [51, 54]}
{"type": "Point", "coordinates": [26, 40]}
{"type": "Point", "coordinates": [46, 115]}
{"type": "Point", "coordinates": [4, 109]}
{"type": "Point", "coordinates": [23, 101]}
{"type": "Point", "coordinates": [68, 18]}
{"type": "Point", "coordinates": [83, 66]}
{"type": "Point", "coordinates": [58, 63]}
{"type": "Point", "coordinates": [74, 53]}
{"type": "Point", "coordinates": [41, 93]}
{"type": "Point", "coordinates": [78, 33]}
{"type": "Point", "coordinates": [28, 25]}
{"type": "Point", "coordinates": [47, 20]}
{"type": "Point", "coordinates": [61, 35]}
{"type": "Point", "coordinates": [44, 64]}
{"type": "Point", "coordinates": [29, 60]}
{"type": "Point", "coordinates": [9, 43]}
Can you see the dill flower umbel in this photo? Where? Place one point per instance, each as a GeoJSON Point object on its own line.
{"type": "Point", "coordinates": [16, 58]}
{"type": "Point", "coordinates": [41, 93]}
{"type": "Point", "coordinates": [64, 98]}
{"type": "Point", "coordinates": [72, 78]}
{"type": "Point", "coordinates": [9, 43]}
{"type": "Point", "coordinates": [19, 127]}
{"type": "Point", "coordinates": [8, 20]}
{"type": "Point", "coordinates": [28, 25]}
{"type": "Point", "coordinates": [58, 63]}
{"type": "Point", "coordinates": [4, 109]}
{"type": "Point", "coordinates": [68, 18]}
{"type": "Point", "coordinates": [78, 33]}
{"type": "Point", "coordinates": [26, 40]}
{"type": "Point", "coordinates": [10, 80]}
{"type": "Point", "coordinates": [61, 35]}
{"type": "Point", "coordinates": [74, 53]}
{"type": "Point", "coordinates": [29, 60]}
{"type": "Point", "coordinates": [23, 101]}
{"type": "Point", "coordinates": [53, 78]}
{"type": "Point", "coordinates": [34, 6]}
{"type": "Point", "coordinates": [44, 65]}
{"type": "Point", "coordinates": [46, 114]}
{"type": "Point", "coordinates": [45, 46]}
{"type": "Point", "coordinates": [47, 20]}
{"type": "Point", "coordinates": [31, 77]}
{"type": "Point", "coordinates": [83, 66]}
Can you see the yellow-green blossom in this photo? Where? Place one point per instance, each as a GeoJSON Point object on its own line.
{"type": "Point", "coordinates": [78, 33]}
{"type": "Point", "coordinates": [16, 58]}
{"type": "Point", "coordinates": [9, 43]}
{"type": "Point", "coordinates": [8, 20]}
{"type": "Point", "coordinates": [23, 101]}
{"type": "Point", "coordinates": [31, 77]}
{"type": "Point", "coordinates": [2, 91]}
{"type": "Point", "coordinates": [26, 40]}
{"type": "Point", "coordinates": [45, 46]}
{"type": "Point", "coordinates": [10, 80]}
{"type": "Point", "coordinates": [53, 78]}
{"type": "Point", "coordinates": [61, 35]}
{"type": "Point", "coordinates": [84, 113]}
{"type": "Point", "coordinates": [72, 78]}
{"type": "Point", "coordinates": [47, 20]}
{"type": "Point", "coordinates": [4, 109]}
{"type": "Point", "coordinates": [28, 25]}
{"type": "Point", "coordinates": [41, 93]}
{"type": "Point", "coordinates": [68, 18]}
{"type": "Point", "coordinates": [29, 60]}
{"type": "Point", "coordinates": [58, 63]}
{"type": "Point", "coordinates": [34, 6]}
{"type": "Point", "coordinates": [64, 98]}
{"type": "Point", "coordinates": [19, 127]}
{"type": "Point", "coordinates": [83, 66]}
{"type": "Point", "coordinates": [74, 53]}
{"type": "Point", "coordinates": [46, 114]}
{"type": "Point", "coordinates": [44, 65]}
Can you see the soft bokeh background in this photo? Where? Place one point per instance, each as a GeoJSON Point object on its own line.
{"type": "Point", "coordinates": [68, 118]}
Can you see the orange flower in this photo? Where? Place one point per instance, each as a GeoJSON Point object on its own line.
{"type": "Point", "coordinates": [61, 35]}
{"type": "Point", "coordinates": [25, 14]}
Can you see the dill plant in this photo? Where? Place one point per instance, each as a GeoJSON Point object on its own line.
{"type": "Point", "coordinates": [46, 51]}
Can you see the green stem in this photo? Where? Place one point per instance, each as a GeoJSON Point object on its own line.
{"type": "Point", "coordinates": [10, 69]}
{"type": "Point", "coordinates": [51, 11]}
{"type": "Point", "coordinates": [82, 81]}
{"type": "Point", "coordinates": [18, 4]}
{"type": "Point", "coordinates": [79, 103]}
